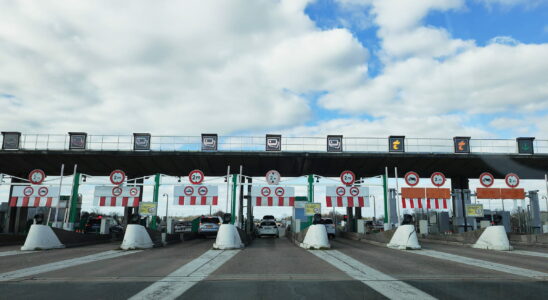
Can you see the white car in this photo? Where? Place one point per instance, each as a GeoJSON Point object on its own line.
{"type": "Point", "coordinates": [268, 228]}
{"type": "Point", "coordinates": [209, 225]}
{"type": "Point", "coordinates": [330, 227]}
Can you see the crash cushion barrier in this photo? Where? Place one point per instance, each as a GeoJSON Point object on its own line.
{"type": "Point", "coordinates": [405, 238]}
{"type": "Point", "coordinates": [316, 238]}
{"type": "Point", "coordinates": [228, 238]}
{"type": "Point", "coordinates": [41, 237]}
{"type": "Point", "coordinates": [494, 238]}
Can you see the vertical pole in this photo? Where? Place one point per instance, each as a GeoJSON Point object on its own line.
{"type": "Point", "coordinates": [227, 187]}
{"type": "Point", "coordinates": [234, 190]}
{"type": "Point", "coordinates": [249, 227]}
{"type": "Point", "coordinates": [385, 194]}
{"type": "Point", "coordinates": [155, 195]}
{"type": "Point", "coordinates": [397, 190]}
{"type": "Point", "coordinates": [546, 180]}
{"type": "Point", "coordinates": [59, 200]}
{"type": "Point", "coordinates": [74, 198]}
{"type": "Point", "coordinates": [310, 195]}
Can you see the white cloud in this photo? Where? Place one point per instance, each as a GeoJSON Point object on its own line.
{"type": "Point", "coordinates": [177, 67]}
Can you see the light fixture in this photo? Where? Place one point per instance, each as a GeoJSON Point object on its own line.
{"type": "Point", "coordinates": [179, 180]}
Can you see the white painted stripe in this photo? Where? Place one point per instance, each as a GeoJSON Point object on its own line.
{"type": "Point", "coordinates": [530, 253]}
{"type": "Point", "coordinates": [380, 282]}
{"type": "Point", "coordinates": [15, 252]}
{"type": "Point", "coordinates": [182, 279]}
{"type": "Point", "coordinates": [482, 264]}
{"type": "Point", "coordinates": [63, 264]}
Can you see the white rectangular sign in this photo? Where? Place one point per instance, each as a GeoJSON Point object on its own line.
{"type": "Point", "coordinates": [196, 195]}
{"type": "Point", "coordinates": [272, 195]}
{"type": "Point", "coordinates": [117, 196]}
{"type": "Point", "coordinates": [347, 196]}
{"type": "Point", "coordinates": [34, 196]}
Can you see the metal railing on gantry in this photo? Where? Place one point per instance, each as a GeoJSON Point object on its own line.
{"type": "Point", "coordinates": [257, 143]}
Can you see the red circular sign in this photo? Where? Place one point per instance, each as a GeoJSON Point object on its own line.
{"type": "Point", "coordinates": [411, 178]}
{"type": "Point", "coordinates": [43, 191]}
{"type": "Point", "coordinates": [196, 176]}
{"type": "Point", "coordinates": [512, 180]}
{"type": "Point", "coordinates": [340, 191]}
{"type": "Point", "coordinates": [116, 191]}
{"type": "Point", "coordinates": [486, 179]}
{"type": "Point", "coordinates": [279, 191]}
{"type": "Point", "coordinates": [438, 179]}
{"type": "Point", "coordinates": [117, 177]}
{"type": "Point", "coordinates": [265, 191]}
{"type": "Point", "coordinates": [202, 191]}
{"type": "Point", "coordinates": [189, 190]}
{"type": "Point", "coordinates": [37, 176]}
{"type": "Point", "coordinates": [28, 191]}
{"type": "Point", "coordinates": [354, 191]}
{"type": "Point", "coordinates": [133, 191]}
{"type": "Point", "coordinates": [348, 177]}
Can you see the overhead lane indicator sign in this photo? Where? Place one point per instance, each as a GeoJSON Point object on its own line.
{"type": "Point", "coordinates": [411, 178]}
{"type": "Point", "coordinates": [486, 179]}
{"type": "Point", "coordinates": [525, 145]}
{"type": "Point", "coordinates": [396, 144]}
{"type": "Point", "coordinates": [462, 144]}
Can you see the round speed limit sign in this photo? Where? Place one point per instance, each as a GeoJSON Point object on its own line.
{"type": "Point", "coordinates": [348, 177]}
{"type": "Point", "coordinates": [117, 177]}
{"type": "Point", "coordinates": [437, 178]}
{"type": "Point", "coordinates": [37, 176]}
{"type": "Point", "coordinates": [196, 177]}
{"type": "Point", "coordinates": [512, 180]}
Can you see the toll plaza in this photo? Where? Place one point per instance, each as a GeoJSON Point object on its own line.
{"type": "Point", "coordinates": [394, 203]}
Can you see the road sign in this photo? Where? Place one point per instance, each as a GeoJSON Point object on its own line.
{"type": "Point", "coordinates": [334, 143]}
{"type": "Point", "coordinates": [117, 177]}
{"type": "Point", "coordinates": [279, 191]}
{"type": "Point", "coordinates": [43, 191]}
{"type": "Point", "coordinates": [273, 142]}
{"type": "Point", "coordinates": [396, 144]}
{"type": "Point", "coordinates": [28, 191]}
{"type": "Point", "coordinates": [437, 178]}
{"type": "Point", "coordinates": [202, 191]}
{"type": "Point", "coordinates": [411, 178]}
{"type": "Point", "coordinates": [209, 141]}
{"type": "Point", "coordinates": [272, 196]}
{"type": "Point", "coordinates": [11, 140]}
{"type": "Point", "coordinates": [348, 177]}
{"type": "Point", "coordinates": [77, 140]}
{"type": "Point", "coordinates": [525, 145]}
{"type": "Point", "coordinates": [311, 209]}
{"type": "Point", "coordinates": [461, 144]}
{"type": "Point", "coordinates": [196, 176]}
{"type": "Point", "coordinates": [116, 191]}
{"type": "Point", "coordinates": [512, 180]}
{"type": "Point", "coordinates": [486, 179]}
{"type": "Point", "coordinates": [346, 196]}
{"type": "Point", "coordinates": [474, 210]}
{"type": "Point", "coordinates": [273, 177]}
{"type": "Point", "coordinates": [141, 141]}
{"type": "Point", "coordinates": [37, 176]}
{"type": "Point", "coordinates": [147, 208]}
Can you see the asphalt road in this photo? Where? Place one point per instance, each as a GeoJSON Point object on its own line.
{"type": "Point", "coordinates": [272, 268]}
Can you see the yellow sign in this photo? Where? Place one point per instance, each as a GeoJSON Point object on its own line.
{"type": "Point", "coordinates": [396, 145]}
{"type": "Point", "coordinates": [147, 208]}
{"type": "Point", "coordinates": [474, 210]}
{"type": "Point", "coordinates": [311, 209]}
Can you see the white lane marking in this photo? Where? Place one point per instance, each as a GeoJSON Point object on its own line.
{"type": "Point", "coordinates": [15, 252]}
{"type": "Point", "coordinates": [63, 264]}
{"type": "Point", "coordinates": [530, 253]}
{"type": "Point", "coordinates": [380, 282]}
{"type": "Point", "coordinates": [182, 279]}
{"type": "Point", "coordinates": [482, 263]}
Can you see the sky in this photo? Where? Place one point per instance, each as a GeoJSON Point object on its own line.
{"type": "Point", "coordinates": [361, 68]}
{"type": "Point", "coordinates": [429, 68]}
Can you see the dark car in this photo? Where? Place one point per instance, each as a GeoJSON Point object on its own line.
{"type": "Point", "coordinates": [93, 225]}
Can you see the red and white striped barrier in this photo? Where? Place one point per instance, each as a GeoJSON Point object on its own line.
{"type": "Point", "coordinates": [273, 196]}
{"type": "Point", "coordinates": [420, 203]}
{"type": "Point", "coordinates": [346, 196]}
{"type": "Point", "coordinates": [196, 195]}
{"type": "Point", "coordinates": [34, 196]}
{"type": "Point", "coordinates": [126, 196]}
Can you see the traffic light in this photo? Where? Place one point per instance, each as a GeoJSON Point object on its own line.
{"type": "Point", "coordinates": [462, 144]}
{"type": "Point", "coordinates": [345, 217]}
{"type": "Point", "coordinates": [396, 143]}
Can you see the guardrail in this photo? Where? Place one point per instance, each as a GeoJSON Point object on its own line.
{"type": "Point", "coordinates": [257, 143]}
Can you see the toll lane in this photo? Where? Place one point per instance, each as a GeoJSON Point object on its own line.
{"type": "Point", "coordinates": [273, 268]}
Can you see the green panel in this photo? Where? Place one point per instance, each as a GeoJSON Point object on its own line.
{"type": "Point", "coordinates": [155, 197]}
{"type": "Point", "coordinates": [74, 198]}
{"type": "Point", "coordinates": [385, 190]}
{"type": "Point", "coordinates": [234, 189]}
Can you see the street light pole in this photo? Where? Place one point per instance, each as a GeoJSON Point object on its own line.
{"type": "Point", "coordinates": [167, 204]}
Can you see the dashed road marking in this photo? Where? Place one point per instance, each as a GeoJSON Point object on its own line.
{"type": "Point", "coordinates": [182, 279]}
{"type": "Point", "coordinates": [380, 282]}
{"type": "Point", "coordinates": [482, 264]}
{"type": "Point", "coordinates": [63, 264]}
